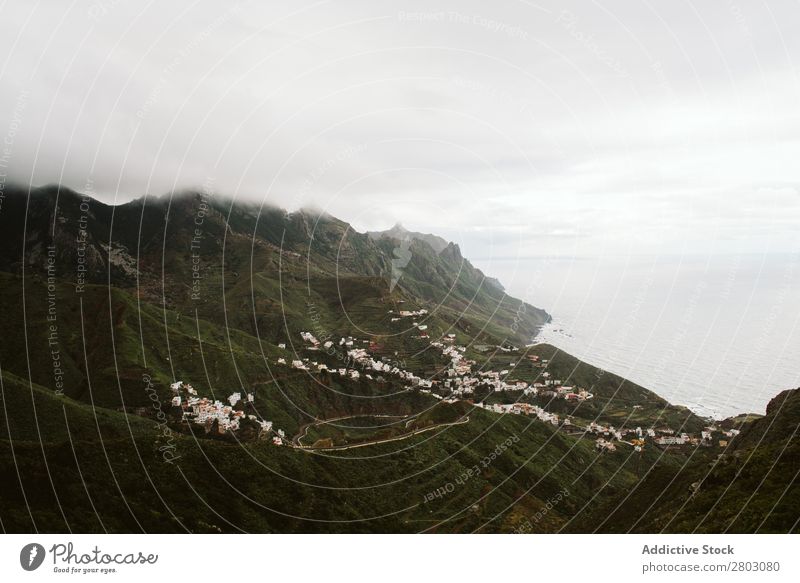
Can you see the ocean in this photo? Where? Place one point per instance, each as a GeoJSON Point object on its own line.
{"type": "Point", "coordinates": [719, 334]}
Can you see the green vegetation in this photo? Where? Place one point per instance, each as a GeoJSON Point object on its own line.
{"type": "Point", "coordinates": [87, 357]}
{"type": "Point", "coordinates": [751, 487]}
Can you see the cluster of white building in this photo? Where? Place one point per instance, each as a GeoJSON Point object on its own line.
{"type": "Point", "coordinates": [228, 417]}
{"type": "Point", "coordinates": [309, 337]}
{"type": "Point", "coordinates": [409, 313]}
{"type": "Point", "coordinates": [460, 379]}
{"type": "Point", "coordinates": [668, 437]}
{"type": "Point", "coordinates": [662, 436]}
{"type": "Point", "coordinates": [366, 362]}
{"type": "Point", "coordinates": [604, 445]}
{"type": "Point", "coordinates": [367, 365]}
{"type": "Point", "coordinates": [524, 409]}
{"type": "Point", "coordinates": [461, 382]}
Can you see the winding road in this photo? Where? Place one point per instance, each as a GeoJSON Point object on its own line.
{"type": "Point", "coordinates": [304, 430]}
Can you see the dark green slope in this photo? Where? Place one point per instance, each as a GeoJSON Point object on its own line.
{"type": "Point", "coordinates": [202, 289]}
{"type": "Point", "coordinates": [213, 306]}
{"type": "Point", "coordinates": [751, 487]}
{"type": "Point", "coordinates": [111, 475]}
{"type": "Point", "coordinates": [195, 253]}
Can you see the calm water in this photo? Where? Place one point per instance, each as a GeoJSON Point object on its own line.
{"type": "Point", "coordinates": [719, 334]}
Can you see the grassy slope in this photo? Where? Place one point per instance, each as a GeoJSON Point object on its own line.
{"type": "Point", "coordinates": [382, 488]}
{"type": "Point", "coordinates": [113, 464]}
{"type": "Point", "coordinates": [752, 487]}
{"type": "Point", "coordinates": [255, 486]}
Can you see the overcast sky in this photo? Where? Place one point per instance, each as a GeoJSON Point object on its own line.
{"type": "Point", "coordinates": [522, 129]}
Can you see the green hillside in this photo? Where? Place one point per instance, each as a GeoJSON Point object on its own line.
{"type": "Point", "coordinates": [750, 487]}
{"type": "Point", "coordinates": [357, 424]}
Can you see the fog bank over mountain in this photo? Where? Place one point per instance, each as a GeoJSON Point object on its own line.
{"type": "Point", "coordinates": [515, 130]}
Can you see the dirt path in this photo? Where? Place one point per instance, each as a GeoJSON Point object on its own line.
{"type": "Point", "coordinates": [303, 432]}
{"type": "Point", "coordinates": [368, 443]}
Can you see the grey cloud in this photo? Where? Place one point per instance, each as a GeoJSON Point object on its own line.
{"type": "Point", "coordinates": [554, 128]}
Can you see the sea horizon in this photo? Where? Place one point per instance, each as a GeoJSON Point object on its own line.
{"type": "Point", "coordinates": [706, 332]}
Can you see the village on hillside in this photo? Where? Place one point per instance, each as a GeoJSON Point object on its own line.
{"type": "Point", "coordinates": [238, 418]}
{"type": "Point", "coordinates": [462, 377]}
{"type": "Point", "coordinates": [218, 418]}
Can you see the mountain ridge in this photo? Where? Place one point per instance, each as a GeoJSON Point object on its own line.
{"type": "Point", "coordinates": [193, 254]}
{"type": "Point", "coordinates": [237, 299]}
